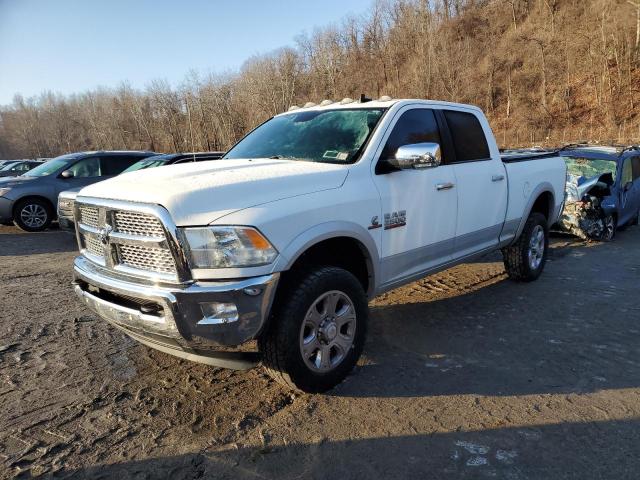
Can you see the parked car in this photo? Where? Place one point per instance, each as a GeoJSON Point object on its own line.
{"type": "Point", "coordinates": [30, 200]}
{"type": "Point", "coordinates": [17, 168]}
{"type": "Point", "coordinates": [602, 190]}
{"type": "Point", "coordinates": [67, 198]}
{"type": "Point", "coordinates": [312, 214]}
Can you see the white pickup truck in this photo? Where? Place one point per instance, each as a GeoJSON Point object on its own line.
{"type": "Point", "coordinates": [308, 217]}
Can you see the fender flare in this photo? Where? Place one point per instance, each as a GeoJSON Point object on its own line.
{"type": "Point", "coordinates": [554, 211]}
{"type": "Point", "coordinates": [325, 231]}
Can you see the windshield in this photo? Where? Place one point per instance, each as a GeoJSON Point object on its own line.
{"type": "Point", "coordinates": [328, 136]}
{"type": "Point", "coordinates": [589, 167]}
{"type": "Point", "coordinates": [147, 163]}
{"type": "Point", "coordinates": [49, 167]}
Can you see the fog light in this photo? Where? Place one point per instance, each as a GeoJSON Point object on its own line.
{"type": "Point", "coordinates": [218, 313]}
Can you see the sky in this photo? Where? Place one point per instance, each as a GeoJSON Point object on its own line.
{"type": "Point", "coordinates": [70, 46]}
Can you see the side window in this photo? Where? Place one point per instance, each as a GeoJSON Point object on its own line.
{"type": "Point", "coordinates": [469, 140]}
{"type": "Point", "coordinates": [627, 172]}
{"type": "Point", "coordinates": [635, 162]}
{"type": "Point", "coordinates": [116, 164]}
{"type": "Point", "coordinates": [415, 126]}
{"type": "Point", "coordinates": [88, 167]}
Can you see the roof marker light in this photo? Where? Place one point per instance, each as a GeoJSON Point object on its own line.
{"type": "Point", "coordinates": [346, 100]}
{"type": "Point", "coordinates": [293, 107]}
{"type": "Point", "coordinates": [309, 104]}
{"type": "Point", "coordinates": [385, 98]}
{"type": "Point", "coordinates": [326, 102]}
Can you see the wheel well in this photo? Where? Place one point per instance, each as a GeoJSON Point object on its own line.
{"type": "Point", "coordinates": [544, 205]}
{"type": "Point", "coordinates": [52, 208]}
{"type": "Point", "coordinates": [343, 252]}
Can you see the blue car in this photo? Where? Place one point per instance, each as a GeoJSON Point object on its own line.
{"type": "Point", "coordinates": [602, 190]}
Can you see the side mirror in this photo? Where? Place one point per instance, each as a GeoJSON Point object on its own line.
{"type": "Point", "coordinates": [67, 174]}
{"type": "Point", "coordinates": [417, 155]}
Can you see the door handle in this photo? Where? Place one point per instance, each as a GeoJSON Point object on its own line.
{"type": "Point", "coordinates": [497, 178]}
{"type": "Point", "coordinates": [444, 186]}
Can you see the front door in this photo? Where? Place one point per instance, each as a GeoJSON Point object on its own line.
{"type": "Point", "coordinates": [629, 189]}
{"type": "Point", "coordinates": [419, 206]}
{"type": "Point", "coordinates": [85, 172]}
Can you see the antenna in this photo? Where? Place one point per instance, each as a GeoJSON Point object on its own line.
{"type": "Point", "coordinates": [364, 98]}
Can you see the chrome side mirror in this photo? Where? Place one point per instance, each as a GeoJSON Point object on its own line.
{"type": "Point", "coordinates": [417, 155]}
{"type": "Point", "coordinates": [67, 174]}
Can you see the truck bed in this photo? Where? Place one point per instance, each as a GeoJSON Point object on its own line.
{"type": "Point", "coordinates": [511, 156]}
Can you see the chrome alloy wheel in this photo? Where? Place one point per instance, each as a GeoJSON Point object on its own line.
{"type": "Point", "coordinates": [328, 331]}
{"type": "Point", "coordinates": [536, 247]}
{"type": "Point", "coordinates": [33, 215]}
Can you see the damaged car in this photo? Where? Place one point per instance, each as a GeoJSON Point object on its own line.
{"type": "Point", "coordinates": [602, 190]}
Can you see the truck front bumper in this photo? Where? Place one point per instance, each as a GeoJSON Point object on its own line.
{"type": "Point", "coordinates": [172, 319]}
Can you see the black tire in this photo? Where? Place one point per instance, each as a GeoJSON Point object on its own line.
{"type": "Point", "coordinates": [21, 220]}
{"type": "Point", "coordinates": [516, 256]}
{"type": "Point", "coordinates": [280, 344]}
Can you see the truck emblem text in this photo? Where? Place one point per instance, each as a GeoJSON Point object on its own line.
{"type": "Point", "coordinates": [395, 219]}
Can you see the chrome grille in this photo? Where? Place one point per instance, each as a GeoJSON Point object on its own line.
{"type": "Point", "coordinates": [150, 259]}
{"type": "Point", "coordinates": [134, 223]}
{"type": "Point", "coordinates": [126, 240]}
{"type": "Point", "coordinates": [93, 245]}
{"type": "Point", "coordinates": [89, 216]}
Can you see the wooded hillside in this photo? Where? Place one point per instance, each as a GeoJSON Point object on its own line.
{"type": "Point", "coordinates": [545, 71]}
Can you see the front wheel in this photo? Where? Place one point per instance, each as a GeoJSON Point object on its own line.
{"type": "Point", "coordinates": [317, 330]}
{"type": "Point", "coordinates": [525, 259]}
{"type": "Point", "coordinates": [609, 228]}
{"type": "Point", "coordinates": [32, 215]}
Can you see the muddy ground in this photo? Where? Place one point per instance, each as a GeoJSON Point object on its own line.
{"type": "Point", "coordinates": [465, 375]}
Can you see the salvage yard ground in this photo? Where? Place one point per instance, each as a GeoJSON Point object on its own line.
{"type": "Point", "coordinates": [465, 375]}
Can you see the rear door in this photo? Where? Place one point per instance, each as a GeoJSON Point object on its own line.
{"type": "Point", "coordinates": [112, 165]}
{"type": "Point", "coordinates": [481, 183]}
{"type": "Point", "coordinates": [419, 206]}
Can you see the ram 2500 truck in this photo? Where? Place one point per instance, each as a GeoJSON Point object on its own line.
{"type": "Point", "coordinates": [304, 220]}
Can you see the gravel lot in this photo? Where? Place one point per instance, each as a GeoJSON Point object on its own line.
{"type": "Point", "coordinates": [465, 375]}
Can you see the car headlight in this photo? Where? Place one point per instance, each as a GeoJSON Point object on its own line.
{"type": "Point", "coordinates": [3, 191]}
{"type": "Point", "coordinates": [228, 247]}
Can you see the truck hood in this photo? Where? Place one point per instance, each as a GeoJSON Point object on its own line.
{"type": "Point", "coordinates": [578, 186]}
{"type": "Point", "coordinates": [199, 193]}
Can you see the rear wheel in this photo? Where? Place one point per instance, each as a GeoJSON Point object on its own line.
{"type": "Point", "coordinates": [525, 259]}
{"type": "Point", "coordinates": [317, 330]}
{"type": "Point", "coordinates": [32, 215]}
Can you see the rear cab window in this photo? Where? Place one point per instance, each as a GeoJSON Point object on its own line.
{"type": "Point", "coordinates": [468, 137]}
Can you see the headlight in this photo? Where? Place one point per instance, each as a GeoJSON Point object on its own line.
{"type": "Point", "coordinates": [3, 191]}
{"type": "Point", "coordinates": [228, 247]}
{"type": "Point", "coordinates": [68, 204]}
